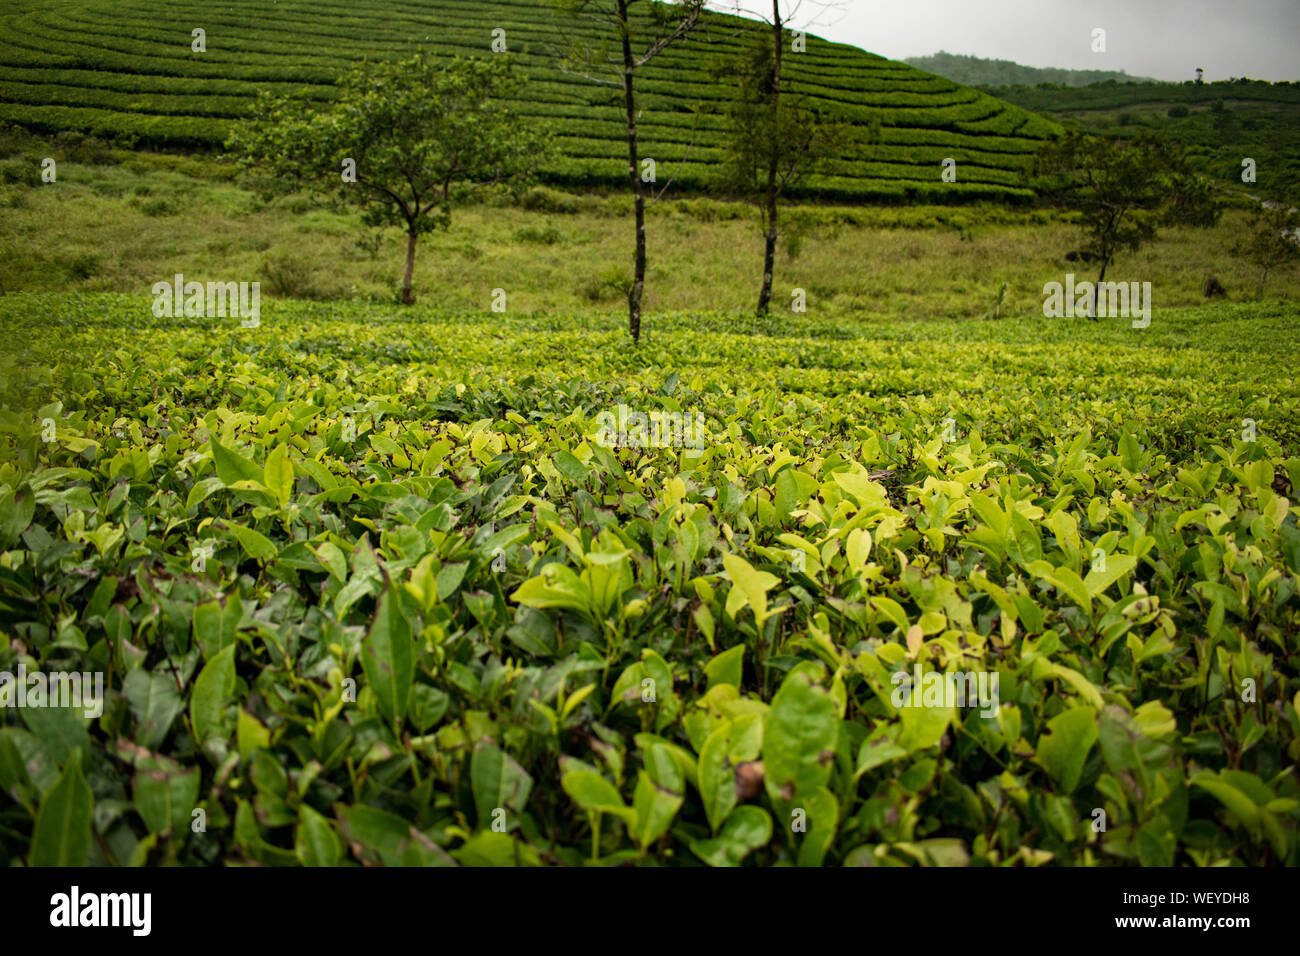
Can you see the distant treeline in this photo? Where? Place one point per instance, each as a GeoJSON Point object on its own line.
{"type": "Point", "coordinates": [1051, 98]}
{"type": "Point", "coordinates": [976, 71]}
{"type": "Point", "coordinates": [1219, 123]}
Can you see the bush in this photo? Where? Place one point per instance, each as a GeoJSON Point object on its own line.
{"type": "Point", "coordinates": [1110, 683]}
{"type": "Point", "coordinates": [88, 150]}
{"type": "Point", "coordinates": [23, 171]}
{"type": "Point", "coordinates": [82, 266]}
{"type": "Point", "coordinates": [368, 244]}
{"type": "Point", "coordinates": [711, 210]}
{"type": "Point", "coordinates": [289, 274]}
{"type": "Point", "coordinates": [541, 199]}
{"type": "Point", "coordinates": [159, 206]}
{"type": "Point", "coordinates": [546, 235]}
{"type": "Point", "coordinates": [613, 283]}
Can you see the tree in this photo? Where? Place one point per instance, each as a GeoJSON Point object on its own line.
{"type": "Point", "coordinates": [1125, 190]}
{"type": "Point", "coordinates": [636, 45]}
{"type": "Point", "coordinates": [404, 142]}
{"type": "Point", "coordinates": [1273, 236]}
{"type": "Point", "coordinates": [774, 140]}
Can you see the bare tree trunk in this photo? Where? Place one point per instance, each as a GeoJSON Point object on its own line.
{"type": "Point", "coordinates": [634, 175]}
{"type": "Point", "coordinates": [408, 296]}
{"type": "Point", "coordinates": [769, 264]}
{"type": "Point", "coordinates": [1096, 292]}
{"type": "Point", "coordinates": [770, 197]}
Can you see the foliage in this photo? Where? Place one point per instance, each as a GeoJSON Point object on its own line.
{"type": "Point", "coordinates": [775, 140]}
{"type": "Point", "coordinates": [1272, 240]}
{"type": "Point", "coordinates": [564, 653]}
{"type": "Point", "coordinates": [121, 73]}
{"type": "Point", "coordinates": [1124, 191]}
{"type": "Point", "coordinates": [1258, 119]}
{"type": "Point", "coordinates": [403, 142]}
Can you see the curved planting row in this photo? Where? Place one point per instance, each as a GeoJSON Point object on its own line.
{"type": "Point", "coordinates": [127, 70]}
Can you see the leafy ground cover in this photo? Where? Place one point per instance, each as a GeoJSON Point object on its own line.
{"type": "Point", "coordinates": [368, 588]}
{"type": "Point", "coordinates": [127, 70]}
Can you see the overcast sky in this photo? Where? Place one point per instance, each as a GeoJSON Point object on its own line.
{"type": "Point", "coordinates": [1165, 39]}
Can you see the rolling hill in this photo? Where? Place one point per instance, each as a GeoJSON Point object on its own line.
{"type": "Point", "coordinates": [124, 70]}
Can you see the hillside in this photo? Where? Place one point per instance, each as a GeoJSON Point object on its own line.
{"type": "Point", "coordinates": [977, 71]}
{"type": "Point", "coordinates": [125, 70]}
{"type": "Point", "coordinates": [1219, 123]}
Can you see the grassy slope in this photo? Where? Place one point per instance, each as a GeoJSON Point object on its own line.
{"type": "Point", "coordinates": [120, 221]}
{"type": "Point", "coordinates": [126, 69]}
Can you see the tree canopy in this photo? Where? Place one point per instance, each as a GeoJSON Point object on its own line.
{"type": "Point", "coordinates": [405, 141]}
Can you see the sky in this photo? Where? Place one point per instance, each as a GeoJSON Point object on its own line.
{"type": "Point", "coordinates": [1163, 39]}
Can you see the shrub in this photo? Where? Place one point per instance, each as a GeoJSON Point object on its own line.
{"type": "Point", "coordinates": [159, 206]}
{"type": "Point", "coordinates": [542, 199]}
{"type": "Point", "coordinates": [611, 284]}
{"type": "Point", "coordinates": [289, 274]}
{"type": "Point", "coordinates": [82, 266]}
{"type": "Point", "coordinates": [22, 171]}
{"type": "Point", "coordinates": [546, 235]}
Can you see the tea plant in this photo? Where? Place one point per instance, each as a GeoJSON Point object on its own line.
{"type": "Point", "coordinates": [368, 586]}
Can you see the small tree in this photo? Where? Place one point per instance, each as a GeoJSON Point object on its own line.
{"type": "Point", "coordinates": [1125, 190]}
{"type": "Point", "coordinates": [665, 24]}
{"type": "Point", "coordinates": [1272, 240]}
{"type": "Point", "coordinates": [404, 142]}
{"type": "Point", "coordinates": [774, 140]}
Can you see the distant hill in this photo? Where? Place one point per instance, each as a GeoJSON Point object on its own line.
{"type": "Point", "coordinates": [976, 71]}
{"type": "Point", "coordinates": [1220, 123]}
{"type": "Point", "coordinates": [125, 69]}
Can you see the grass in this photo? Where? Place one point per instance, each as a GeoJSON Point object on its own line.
{"type": "Point", "coordinates": [138, 217]}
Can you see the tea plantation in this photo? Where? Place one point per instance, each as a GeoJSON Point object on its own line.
{"type": "Point", "coordinates": [368, 587]}
{"type": "Point", "coordinates": [127, 69]}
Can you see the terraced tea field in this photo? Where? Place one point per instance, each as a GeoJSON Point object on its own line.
{"type": "Point", "coordinates": [126, 68]}
{"type": "Point", "coordinates": [374, 585]}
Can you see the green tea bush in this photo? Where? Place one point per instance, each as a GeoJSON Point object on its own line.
{"type": "Point", "coordinates": [379, 586]}
{"type": "Point", "coordinates": [123, 77]}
